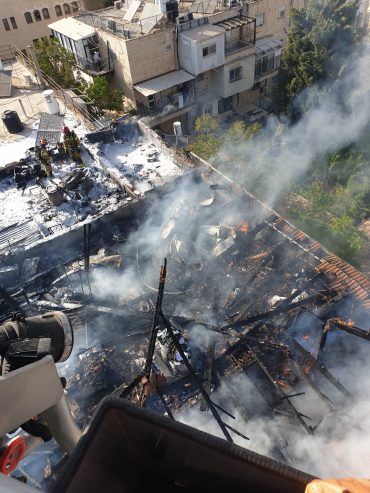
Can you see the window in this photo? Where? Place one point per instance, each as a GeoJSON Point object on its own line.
{"type": "Point", "coordinates": [151, 101]}
{"type": "Point", "coordinates": [66, 8]}
{"type": "Point", "coordinates": [235, 74]}
{"type": "Point", "coordinates": [265, 64]}
{"type": "Point", "coordinates": [45, 13]}
{"type": "Point", "coordinates": [260, 20]}
{"type": "Point", "coordinates": [28, 17]}
{"type": "Point", "coordinates": [37, 15]}
{"type": "Point", "coordinates": [209, 50]}
{"type": "Point", "coordinates": [74, 7]}
{"type": "Point", "coordinates": [58, 10]}
{"type": "Point", "coordinates": [281, 12]}
{"type": "Point", "coordinates": [13, 23]}
{"type": "Point", "coordinates": [6, 24]}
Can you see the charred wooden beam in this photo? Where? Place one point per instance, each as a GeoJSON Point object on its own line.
{"type": "Point", "coordinates": [153, 336]}
{"type": "Point", "coordinates": [268, 314]}
{"type": "Point", "coordinates": [232, 396]}
{"type": "Point", "coordinates": [313, 386]}
{"type": "Point", "coordinates": [322, 369]}
{"type": "Point", "coordinates": [11, 301]}
{"type": "Point", "coordinates": [155, 324]}
{"type": "Point", "coordinates": [195, 378]}
{"type": "Point", "coordinates": [208, 371]}
{"type": "Point", "coordinates": [347, 327]}
{"type": "Point", "coordinates": [297, 415]}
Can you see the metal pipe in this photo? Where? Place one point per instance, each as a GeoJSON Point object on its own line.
{"type": "Point", "coordinates": [62, 425]}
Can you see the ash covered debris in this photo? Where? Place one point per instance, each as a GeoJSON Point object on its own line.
{"type": "Point", "coordinates": [75, 177]}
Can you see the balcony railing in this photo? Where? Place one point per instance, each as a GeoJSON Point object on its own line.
{"type": "Point", "coordinates": [168, 104]}
{"type": "Point", "coordinates": [104, 66]}
{"type": "Point", "coordinates": [232, 47]}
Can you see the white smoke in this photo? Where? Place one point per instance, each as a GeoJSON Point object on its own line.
{"type": "Point", "coordinates": [282, 153]}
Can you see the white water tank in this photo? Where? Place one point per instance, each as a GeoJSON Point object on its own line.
{"type": "Point", "coordinates": [118, 4]}
{"type": "Point", "coordinates": [51, 101]}
{"type": "Point", "coordinates": [177, 129]}
{"type": "Point", "coordinates": [161, 4]}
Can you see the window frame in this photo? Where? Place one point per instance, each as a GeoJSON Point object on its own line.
{"type": "Point", "coordinates": [13, 23]}
{"type": "Point", "coordinates": [66, 9]}
{"type": "Point", "coordinates": [47, 16]}
{"type": "Point", "coordinates": [37, 15]}
{"type": "Point", "coordinates": [6, 24]}
{"type": "Point", "coordinates": [239, 71]}
{"type": "Point", "coordinates": [260, 19]}
{"type": "Point", "coordinates": [58, 10]}
{"type": "Point", "coordinates": [265, 64]}
{"type": "Point", "coordinates": [209, 50]}
{"type": "Point", "coordinates": [28, 17]}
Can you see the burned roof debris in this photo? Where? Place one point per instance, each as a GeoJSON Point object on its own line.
{"type": "Point", "coordinates": [250, 323]}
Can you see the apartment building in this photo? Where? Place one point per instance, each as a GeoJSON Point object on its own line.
{"type": "Point", "coordinates": [24, 21]}
{"type": "Point", "coordinates": [178, 60]}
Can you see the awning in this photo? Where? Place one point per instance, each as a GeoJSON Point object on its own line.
{"type": "Point", "coordinates": [267, 44]}
{"type": "Point", "coordinates": [72, 28]}
{"type": "Point", "coordinates": [163, 82]}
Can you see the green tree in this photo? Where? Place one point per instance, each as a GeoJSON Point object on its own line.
{"type": "Point", "coordinates": [102, 95]}
{"type": "Point", "coordinates": [56, 62]}
{"type": "Point", "coordinates": [319, 38]}
{"type": "Point", "coordinates": [208, 141]}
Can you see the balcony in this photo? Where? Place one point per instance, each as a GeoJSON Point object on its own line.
{"type": "Point", "coordinates": [104, 66]}
{"type": "Point", "coordinates": [237, 46]}
{"type": "Point", "coordinates": [167, 107]}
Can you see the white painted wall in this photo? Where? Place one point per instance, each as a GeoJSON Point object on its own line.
{"type": "Point", "coordinates": [191, 53]}
{"type": "Point", "coordinates": [220, 78]}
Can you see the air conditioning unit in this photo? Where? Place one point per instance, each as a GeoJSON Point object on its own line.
{"type": "Point", "coordinates": [118, 4]}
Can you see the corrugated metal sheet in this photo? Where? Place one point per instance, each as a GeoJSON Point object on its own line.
{"type": "Point", "coordinates": [163, 82]}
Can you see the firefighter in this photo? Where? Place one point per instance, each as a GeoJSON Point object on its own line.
{"type": "Point", "coordinates": [72, 145]}
{"type": "Point", "coordinates": [61, 152]}
{"type": "Point", "coordinates": [45, 158]}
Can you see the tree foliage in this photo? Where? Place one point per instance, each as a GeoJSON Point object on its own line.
{"type": "Point", "coordinates": [55, 61]}
{"type": "Point", "coordinates": [102, 95]}
{"type": "Point", "coordinates": [319, 39]}
{"type": "Point", "coordinates": [331, 216]}
{"type": "Point", "coordinates": [210, 139]}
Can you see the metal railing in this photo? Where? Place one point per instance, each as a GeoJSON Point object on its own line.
{"type": "Point", "coordinates": [102, 67]}
{"type": "Point", "coordinates": [68, 97]}
{"type": "Point", "coordinates": [233, 46]}
{"type": "Point", "coordinates": [168, 104]}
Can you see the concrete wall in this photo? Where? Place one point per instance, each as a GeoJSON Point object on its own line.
{"type": "Point", "coordinates": [136, 60]}
{"type": "Point", "coordinates": [221, 77]}
{"type": "Point", "coordinates": [25, 33]}
{"type": "Point", "coordinates": [274, 23]}
{"type": "Point", "coordinates": [152, 55]}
